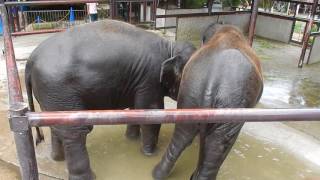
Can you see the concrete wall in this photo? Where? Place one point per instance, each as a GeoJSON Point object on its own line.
{"type": "Point", "coordinates": [274, 28]}
{"type": "Point", "coordinates": [315, 52]}
{"type": "Point", "coordinates": [191, 28]}
{"type": "Point", "coordinates": [167, 22]}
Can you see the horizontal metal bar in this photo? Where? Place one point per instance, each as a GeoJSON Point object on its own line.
{"type": "Point", "coordinates": [109, 117]}
{"type": "Point", "coordinates": [37, 32]}
{"type": "Point", "coordinates": [286, 17]}
{"type": "Point", "coordinates": [166, 27]}
{"type": "Point", "coordinates": [202, 14]}
{"type": "Point", "coordinates": [140, 1]}
{"type": "Point", "coordinates": [57, 2]}
{"type": "Point", "coordinates": [42, 11]}
{"type": "Point", "coordinates": [315, 34]}
{"type": "Point", "coordinates": [298, 2]}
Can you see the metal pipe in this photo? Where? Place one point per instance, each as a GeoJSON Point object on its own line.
{"type": "Point", "coordinates": [14, 88]}
{"type": "Point", "coordinates": [110, 117]}
{"type": "Point", "coordinates": [253, 19]}
{"type": "Point", "coordinates": [294, 22]}
{"type": "Point", "coordinates": [307, 33]}
{"type": "Point", "coordinates": [37, 32]}
{"type": "Point", "coordinates": [179, 4]}
{"type": "Point", "coordinates": [129, 13]}
{"type": "Point", "coordinates": [202, 14]}
{"type": "Point", "coordinates": [144, 11]}
{"type": "Point", "coordinates": [53, 2]}
{"type": "Point", "coordinates": [22, 134]}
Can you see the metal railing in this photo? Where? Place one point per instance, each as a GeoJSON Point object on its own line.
{"type": "Point", "coordinates": [53, 19]}
{"type": "Point", "coordinates": [21, 120]}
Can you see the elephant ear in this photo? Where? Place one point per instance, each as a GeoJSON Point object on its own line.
{"type": "Point", "coordinates": [170, 75]}
{"type": "Point", "coordinates": [167, 68]}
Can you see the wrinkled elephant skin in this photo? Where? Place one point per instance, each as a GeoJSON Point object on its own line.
{"type": "Point", "coordinates": [223, 73]}
{"type": "Point", "coordinates": [103, 65]}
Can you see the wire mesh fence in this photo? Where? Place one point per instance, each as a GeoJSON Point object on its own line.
{"type": "Point", "coordinates": [53, 19]}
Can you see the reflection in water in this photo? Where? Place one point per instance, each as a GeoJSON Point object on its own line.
{"type": "Point", "coordinates": [303, 93]}
{"type": "Point", "coordinates": [286, 92]}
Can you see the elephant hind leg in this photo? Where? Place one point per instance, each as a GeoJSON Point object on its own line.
{"type": "Point", "coordinates": [74, 141]}
{"type": "Point", "coordinates": [215, 148]}
{"type": "Point", "coordinates": [133, 131]}
{"type": "Point", "coordinates": [150, 134]}
{"type": "Point", "coordinates": [182, 137]}
{"type": "Point", "coordinates": [57, 152]}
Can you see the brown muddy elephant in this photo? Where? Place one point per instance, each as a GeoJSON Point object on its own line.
{"type": "Point", "coordinates": [224, 73]}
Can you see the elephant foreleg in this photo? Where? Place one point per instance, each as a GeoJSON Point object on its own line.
{"type": "Point", "coordinates": [150, 134]}
{"type": "Point", "coordinates": [133, 131]}
{"type": "Point", "coordinates": [216, 146]}
{"type": "Point", "coordinates": [74, 141]}
{"type": "Point", "coordinates": [57, 152]}
{"type": "Point", "coordinates": [146, 99]}
{"type": "Point", "coordinates": [182, 137]}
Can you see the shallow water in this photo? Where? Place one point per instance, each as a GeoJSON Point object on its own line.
{"type": "Point", "coordinates": [115, 157]}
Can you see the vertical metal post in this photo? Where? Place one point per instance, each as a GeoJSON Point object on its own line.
{"type": "Point", "coordinates": [24, 141]}
{"type": "Point", "coordinates": [112, 9]}
{"type": "Point", "coordinates": [179, 3]}
{"type": "Point", "coordinates": [18, 122]}
{"type": "Point", "coordinates": [129, 12]}
{"type": "Point", "coordinates": [154, 12]}
{"type": "Point", "coordinates": [307, 33]}
{"type": "Point", "coordinates": [294, 21]}
{"type": "Point", "coordinates": [145, 11]}
{"type": "Point", "coordinates": [151, 10]}
{"type": "Point", "coordinates": [253, 19]}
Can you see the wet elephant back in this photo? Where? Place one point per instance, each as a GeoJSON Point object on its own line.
{"type": "Point", "coordinates": [94, 62]}
{"type": "Point", "coordinates": [220, 79]}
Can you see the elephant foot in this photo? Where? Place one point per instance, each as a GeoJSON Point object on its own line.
{"type": "Point", "coordinates": [88, 176]}
{"type": "Point", "coordinates": [57, 152]}
{"type": "Point", "coordinates": [57, 155]}
{"type": "Point", "coordinates": [133, 132]}
{"type": "Point", "coordinates": [199, 177]}
{"type": "Point", "coordinates": [148, 150]}
{"type": "Point", "coordinates": [162, 171]}
{"type": "Point", "coordinates": [133, 135]}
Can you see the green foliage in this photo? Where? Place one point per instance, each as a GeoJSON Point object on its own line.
{"type": "Point", "coordinates": [231, 3]}
{"type": "Point", "coordinates": [299, 26]}
{"type": "Point", "coordinates": [314, 28]}
{"type": "Point", "coordinates": [266, 4]}
{"type": "Point", "coordinates": [193, 4]}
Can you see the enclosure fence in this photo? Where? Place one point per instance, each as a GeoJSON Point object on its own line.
{"type": "Point", "coordinates": [21, 120]}
{"type": "Point", "coordinates": [53, 19]}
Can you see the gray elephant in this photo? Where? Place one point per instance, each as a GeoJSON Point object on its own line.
{"type": "Point", "coordinates": [103, 65]}
{"type": "Point", "coordinates": [223, 73]}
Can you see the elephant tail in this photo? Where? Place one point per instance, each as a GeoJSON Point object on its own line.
{"type": "Point", "coordinates": [40, 136]}
{"type": "Point", "coordinates": [202, 133]}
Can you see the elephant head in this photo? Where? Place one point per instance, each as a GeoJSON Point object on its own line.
{"type": "Point", "coordinates": [171, 69]}
{"type": "Point", "coordinates": [210, 31]}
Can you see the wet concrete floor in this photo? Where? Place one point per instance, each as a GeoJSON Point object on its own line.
{"type": "Point", "coordinates": [263, 151]}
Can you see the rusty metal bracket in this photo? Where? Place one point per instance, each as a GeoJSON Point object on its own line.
{"type": "Point", "coordinates": [17, 119]}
